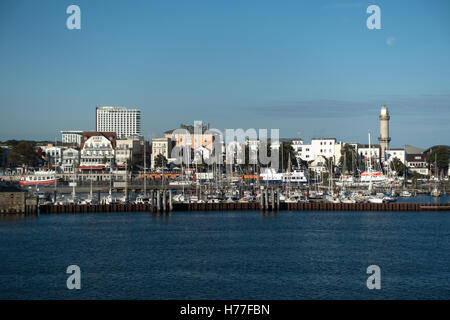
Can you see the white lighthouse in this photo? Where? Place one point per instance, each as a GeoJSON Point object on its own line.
{"type": "Point", "coordinates": [384, 138]}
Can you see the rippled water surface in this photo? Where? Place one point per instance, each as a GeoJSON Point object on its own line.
{"type": "Point", "coordinates": [227, 255]}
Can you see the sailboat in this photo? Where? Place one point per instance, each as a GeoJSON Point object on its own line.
{"type": "Point", "coordinates": [436, 192]}
{"type": "Point", "coordinates": [109, 199]}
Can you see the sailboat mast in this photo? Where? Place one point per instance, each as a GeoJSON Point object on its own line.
{"type": "Point", "coordinates": [145, 171]}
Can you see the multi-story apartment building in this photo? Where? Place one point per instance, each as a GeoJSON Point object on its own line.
{"type": "Point", "coordinates": [318, 147]}
{"type": "Point", "coordinates": [130, 149]}
{"type": "Point", "coordinates": [70, 160]}
{"type": "Point", "coordinates": [390, 154]}
{"type": "Point", "coordinates": [417, 163]}
{"type": "Point", "coordinates": [374, 151]}
{"type": "Point", "coordinates": [97, 150]}
{"type": "Point", "coordinates": [193, 136]}
{"type": "Point", "coordinates": [124, 122]}
{"type": "Point", "coordinates": [53, 155]}
{"type": "Point", "coordinates": [72, 137]}
{"type": "Point", "coordinates": [161, 146]}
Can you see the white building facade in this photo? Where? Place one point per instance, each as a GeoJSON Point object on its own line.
{"type": "Point", "coordinates": [324, 147]}
{"type": "Point", "coordinates": [366, 152]}
{"type": "Point", "coordinates": [417, 163]}
{"type": "Point", "coordinates": [129, 149]}
{"type": "Point", "coordinates": [70, 160]}
{"type": "Point", "coordinates": [97, 150]}
{"type": "Point", "coordinates": [71, 137]}
{"type": "Point", "coordinates": [161, 146]}
{"type": "Point", "coordinates": [53, 155]}
{"type": "Point", "coordinates": [390, 154]}
{"type": "Point", "coordinates": [124, 122]}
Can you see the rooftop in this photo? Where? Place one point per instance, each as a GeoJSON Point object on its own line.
{"type": "Point", "coordinates": [190, 129]}
{"type": "Point", "coordinates": [111, 136]}
{"type": "Point", "coordinates": [115, 108]}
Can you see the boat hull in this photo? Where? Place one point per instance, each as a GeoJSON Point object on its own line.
{"type": "Point", "coordinates": [37, 182]}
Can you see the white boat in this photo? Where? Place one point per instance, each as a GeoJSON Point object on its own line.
{"type": "Point", "coordinates": [296, 199]}
{"type": "Point", "coordinates": [389, 199]}
{"type": "Point", "coordinates": [436, 193]}
{"type": "Point", "coordinates": [90, 200]}
{"type": "Point", "coordinates": [178, 198]}
{"type": "Point", "coordinates": [345, 180]}
{"type": "Point", "coordinates": [315, 194]}
{"type": "Point", "coordinates": [38, 178]}
{"type": "Point", "coordinates": [332, 198]}
{"type": "Point", "coordinates": [270, 175]}
{"type": "Point", "coordinates": [142, 199]}
{"type": "Point", "coordinates": [375, 200]}
{"type": "Point", "coordinates": [405, 194]}
{"type": "Point", "coordinates": [109, 199]}
{"type": "Point", "coordinates": [296, 176]}
{"type": "Point", "coordinates": [372, 177]}
{"type": "Point", "coordinates": [180, 183]}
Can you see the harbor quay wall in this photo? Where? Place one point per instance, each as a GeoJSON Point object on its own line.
{"type": "Point", "coordinates": [243, 206]}
{"type": "Point", "coordinates": [17, 203]}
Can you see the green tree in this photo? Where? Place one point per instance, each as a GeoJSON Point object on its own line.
{"type": "Point", "coordinates": [105, 160]}
{"type": "Point", "coordinates": [439, 157]}
{"type": "Point", "coordinates": [397, 166]}
{"type": "Point", "coordinates": [329, 163]}
{"type": "Point", "coordinates": [311, 174]}
{"type": "Point", "coordinates": [130, 164]}
{"type": "Point", "coordinates": [349, 155]}
{"type": "Point", "coordinates": [23, 153]}
{"type": "Point", "coordinates": [160, 161]}
{"type": "Point", "coordinates": [286, 155]}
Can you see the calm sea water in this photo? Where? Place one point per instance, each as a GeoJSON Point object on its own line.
{"type": "Point", "coordinates": [227, 255]}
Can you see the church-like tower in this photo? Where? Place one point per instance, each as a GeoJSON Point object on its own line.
{"type": "Point", "coordinates": [384, 138]}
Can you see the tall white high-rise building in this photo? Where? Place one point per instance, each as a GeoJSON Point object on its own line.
{"type": "Point", "coordinates": [124, 122]}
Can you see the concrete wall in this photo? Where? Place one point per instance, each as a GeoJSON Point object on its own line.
{"type": "Point", "coordinates": [12, 202]}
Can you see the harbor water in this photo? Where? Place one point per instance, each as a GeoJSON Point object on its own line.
{"type": "Point", "coordinates": [226, 255]}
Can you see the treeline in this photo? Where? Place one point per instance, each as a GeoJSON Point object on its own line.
{"type": "Point", "coordinates": [13, 142]}
{"type": "Point", "coordinates": [22, 153]}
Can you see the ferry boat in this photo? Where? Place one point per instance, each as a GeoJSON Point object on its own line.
{"type": "Point", "coordinates": [366, 178]}
{"type": "Point", "coordinates": [38, 178]}
{"type": "Point", "coordinates": [345, 180]}
{"type": "Point", "coordinates": [372, 177]}
{"type": "Point", "coordinates": [270, 175]}
{"type": "Point", "coordinates": [297, 176]}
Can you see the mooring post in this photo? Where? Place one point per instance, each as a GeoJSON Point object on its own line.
{"type": "Point", "coordinates": [170, 201]}
{"type": "Point", "coordinates": [273, 198]}
{"type": "Point", "coordinates": [277, 196]}
{"type": "Point", "coordinates": [158, 201]}
{"type": "Point", "coordinates": [261, 199]}
{"type": "Point", "coordinates": [164, 200]}
{"type": "Point", "coordinates": [266, 199]}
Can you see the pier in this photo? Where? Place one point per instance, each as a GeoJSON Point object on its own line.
{"type": "Point", "coordinates": [243, 206]}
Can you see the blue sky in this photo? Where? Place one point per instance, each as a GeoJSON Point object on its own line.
{"type": "Point", "coordinates": [301, 66]}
